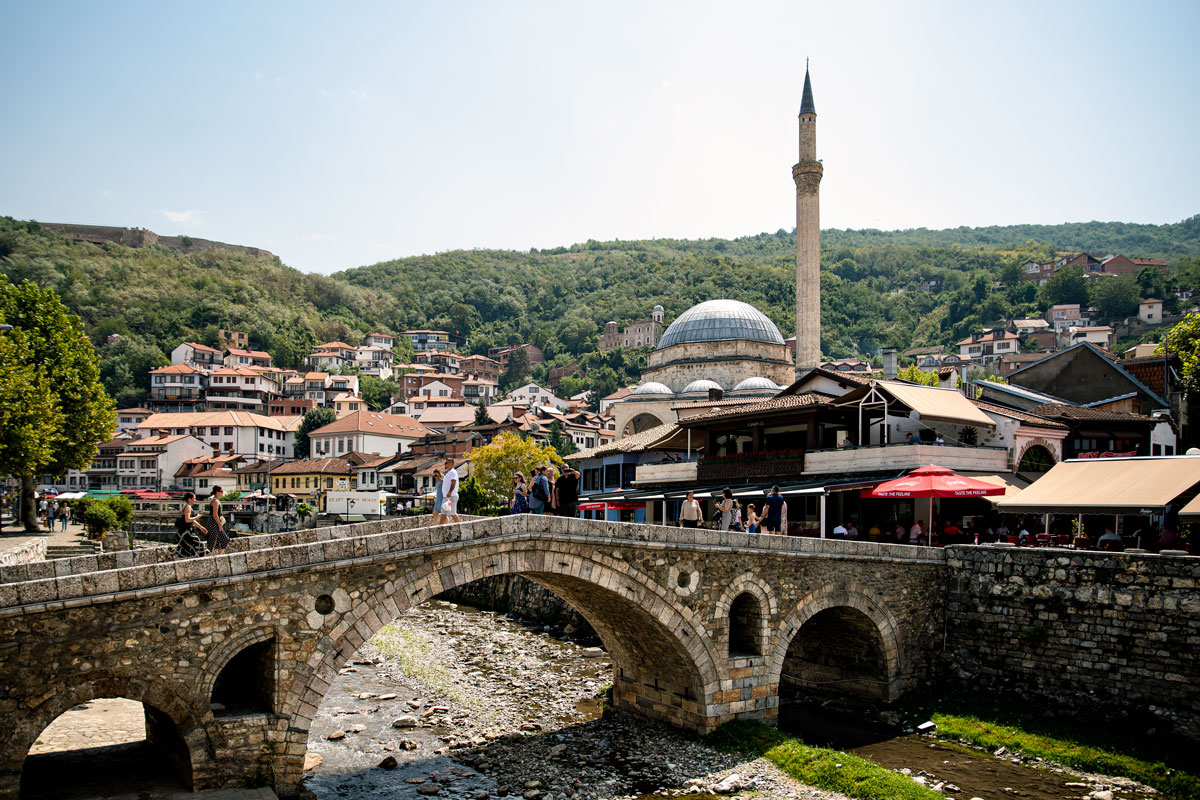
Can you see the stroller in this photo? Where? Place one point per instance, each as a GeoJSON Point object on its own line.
{"type": "Point", "coordinates": [190, 544]}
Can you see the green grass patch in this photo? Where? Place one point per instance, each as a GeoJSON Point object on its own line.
{"type": "Point", "coordinates": [1068, 753]}
{"type": "Point", "coordinates": [821, 767]}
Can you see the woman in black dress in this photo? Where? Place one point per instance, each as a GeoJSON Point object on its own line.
{"type": "Point", "coordinates": [214, 523]}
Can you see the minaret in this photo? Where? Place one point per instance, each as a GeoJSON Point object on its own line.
{"type": "Point", "coordinates": [807, 175]}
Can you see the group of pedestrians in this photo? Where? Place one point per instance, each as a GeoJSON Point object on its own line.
{"type": "Point", "coordinates": [201, 534]}
{"type": "Point", "coordinates": [729, 516]}
{"type": "Point", "coordinates": [542, 494]}
{"type": "Point", "coordinates": [51, 510]}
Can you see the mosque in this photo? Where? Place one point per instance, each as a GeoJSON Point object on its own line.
{"type": "Point", "coordinates": [728, 350]}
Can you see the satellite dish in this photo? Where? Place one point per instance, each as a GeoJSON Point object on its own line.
{"type": "Point", "coordinates": [1193, 451]}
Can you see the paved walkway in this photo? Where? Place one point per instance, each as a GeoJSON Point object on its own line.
{"type": "Point", "coordinates": [13, 534]}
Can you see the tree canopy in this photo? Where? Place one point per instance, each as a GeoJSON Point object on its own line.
{"type": "Point", "coordinates": [49, 355]}
{"type": "Point", "coordinates": [317, 418]}
{"type": "Point", "coordinates": [494, 465]}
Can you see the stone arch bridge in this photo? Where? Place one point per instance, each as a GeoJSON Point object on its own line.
{"type": "Point", "coordinates": [231, 655]}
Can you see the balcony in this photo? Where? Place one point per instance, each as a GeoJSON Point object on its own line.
{"type": "Point", "coordinates": [902, 456]}
{"type": "Point", "coordinates": [684, 471]}
{"type": "Point", "coordinates": [773, 469]}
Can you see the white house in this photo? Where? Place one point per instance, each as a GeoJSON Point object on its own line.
{"type": "Point", "coordinates": [151, 463]}
{"type": "Point", "coordinates": [238, 432]}
{"type": "Point", "coordinates": [533, 395]}
{"type": "Point", "coordinates": [199, 356]}
{"type": "Point", "coordinates": [1150, 311]}
{"type": "Point", "coordinates": [367, 432]}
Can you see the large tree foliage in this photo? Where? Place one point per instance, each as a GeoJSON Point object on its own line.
{"type": "Point", "coordinates": [1184, 340]}
{"type": "Point", "coordinates": [52, 356]}
{"type": "Point", "coordinates": [1117, 296]}
{"type": "Point", "coordinates": [494, 465]}
{"type": "Point", "coordinates": [317, 418]}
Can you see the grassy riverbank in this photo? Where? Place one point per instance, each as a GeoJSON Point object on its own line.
{"type": "Point", "coordinates": [1100, 745]}
{"type": "Point", "coordinates": [818, 766]}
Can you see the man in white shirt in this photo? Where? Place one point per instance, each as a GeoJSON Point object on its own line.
{"type": "Point", "coordinates": [450, 489]}
{"type": "Point", "coordinates": [839, 531]}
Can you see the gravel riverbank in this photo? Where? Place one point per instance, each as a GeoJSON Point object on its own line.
{"type": "Point", "coordinates": [470, 704]}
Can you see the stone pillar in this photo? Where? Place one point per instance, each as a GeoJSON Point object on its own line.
{"type": "Point", "coordinates": [807, 175]}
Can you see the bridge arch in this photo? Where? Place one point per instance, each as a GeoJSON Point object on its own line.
{"type": "Point", "coordinates": [175, 727]}
{"type": "Point", "coordinates": [859, 609]}
{"type": "Point", "coordinates": [756, 629]}
{"type": "Point", "coordinates": [220, 657]}
{"type": "Point", "coordinates": [665, 664]}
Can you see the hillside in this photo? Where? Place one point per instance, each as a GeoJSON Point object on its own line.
{"type": "Point", "coordinates": [880, 288]}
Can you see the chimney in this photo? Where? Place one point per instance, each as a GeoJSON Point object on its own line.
{"type": "Point", "coordinates": [715, 394]}
{"type": "Point", "coordinates": [890, 365]}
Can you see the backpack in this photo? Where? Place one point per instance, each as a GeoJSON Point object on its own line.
{"type": "Point", "coordinates": [539, 492]}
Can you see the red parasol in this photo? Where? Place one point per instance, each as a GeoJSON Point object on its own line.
{"type": "Point", "coordinates": [933, 481]}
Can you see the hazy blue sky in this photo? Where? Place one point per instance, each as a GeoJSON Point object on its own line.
{"type": "Point", "coordinates": [340, 134]}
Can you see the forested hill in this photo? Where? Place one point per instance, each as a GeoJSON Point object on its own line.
{"type": "Point", "coordinates": [897, 288]}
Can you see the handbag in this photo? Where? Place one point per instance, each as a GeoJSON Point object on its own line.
{"type": "Point", "coordinates": [445, 507]}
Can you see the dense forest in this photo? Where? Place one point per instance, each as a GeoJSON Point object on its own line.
{"type": "Point", "coordinates": [879, 288]}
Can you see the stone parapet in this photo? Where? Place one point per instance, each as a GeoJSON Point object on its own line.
{"type": "Point", "coordinates": [22, 551]}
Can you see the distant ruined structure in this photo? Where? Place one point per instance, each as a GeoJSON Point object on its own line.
{"type": "Point", "coordinates": [141, 237]}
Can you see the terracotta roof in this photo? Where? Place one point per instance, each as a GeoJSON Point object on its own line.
{"type": "Point", "coordinates": [627, 444]}
{"type": "Point", "coordinates": [333, 346]}
{"type": "Point", "coordinates": [374, 423]}
{"type": "Point", "coordinates": [990, 336]}
{"type": "Point", "coordinates": [233, 351]}
{"type": "Point", "coordinates": [785, 403]}
{"type": "Point", "coordinates": [204, 347]}
{"type": "Point", "coordinates": [310, 466]}
{"type": "Point", "coordinates": [315, 376]}
{"type": "Point", "coordinates": [1068, 411]}
{"type": "Point", "coordinates": [176, 369]}
{"type": "Point", "coordinates": [1024, 416]}
{"type": "Point", "coordinates": [134, 411]}
{"type": "Point", "coordinates": [216, 419]}
{"type": "Point", "coordinates": [372, 460]}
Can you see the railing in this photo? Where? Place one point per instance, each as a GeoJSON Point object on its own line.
{"type": "Point", "coordinates": [906, 456]}
{"type": "Point", "coordinates": [739, 470]}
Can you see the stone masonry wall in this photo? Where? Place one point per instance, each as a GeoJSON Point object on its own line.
{"type": "Point", "coordinates": [23, 553]}
{"type": "Point", "coordinates": [520, 596]}
{"type": "Point", "coordinates": [1120, 630]}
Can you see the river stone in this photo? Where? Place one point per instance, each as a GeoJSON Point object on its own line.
{"type": "Point", "coordinates": [429, 789]}
{"type": "Point", "coordinates": [1103, 794]}
{"type": "Point", "coordinates": [592, 652]}
{"type": "Point", "coordinates": [408, 744]}
{"type": "Point", "coordinates": [733, 782]}
{"type": "Point", "coordinates": [335, 736]}
{"type": "Point", "coordinates": [389, 762]}
{"type": "Point", "coordinates": [386, 697]}
{"type": "Point", "coordinates": [407, 721]}
{"type": "Point", "coordinates": [312, 761]}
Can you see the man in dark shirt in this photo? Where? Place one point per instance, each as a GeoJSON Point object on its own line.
{"type": "Point", "coordinates": [773, 510]}
{"type": "Point", "coordinates": [566, 493]}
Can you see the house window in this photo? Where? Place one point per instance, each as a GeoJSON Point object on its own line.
{"type": "Point", "coordinates": [612, 476]}
{"type": "Point", "coordinates": [229, 431]}
{"type": "Point", "coordinates": [214, 431]}
{"type": "Point", "coordinates": [329, 483]}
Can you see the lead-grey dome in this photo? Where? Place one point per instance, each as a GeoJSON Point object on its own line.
{"type": "Point", "coordinates": [721, 320]}
{"type": "Point", "coordinates": [653, 387]}
{"type": "Point", "coordinates": [701, 386]}
{"type": "Point", "coordinates": [757, 383]}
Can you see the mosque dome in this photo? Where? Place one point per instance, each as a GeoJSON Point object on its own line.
{"type": "Point", "coordinates": [721, 320]}
{"type": "Point", "coordinates": [701, 386]}
{"type": "Point", "coordinates": [758, 383]}
{"type": "Point", "coordinates": [652, 387]}
{"type": "Point", "coordinates": [659, 308]}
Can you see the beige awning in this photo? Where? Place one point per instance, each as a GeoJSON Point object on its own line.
{"type": "Point", "coordinates": [1189, 511]}
{"type": "Point", "coordinates": [938, 405]}
{"type": "Point", "coordinates": [1107, 486]}
{"type": "Point", "coordinates": [1012, 484]}
{"type": "Point", "coordinates": [930, 403]}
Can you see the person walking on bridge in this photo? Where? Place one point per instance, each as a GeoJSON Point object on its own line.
{"type": "Point", "coordinates": [214, 524]}
{"type": "Point", "coordinates": [450, 492]}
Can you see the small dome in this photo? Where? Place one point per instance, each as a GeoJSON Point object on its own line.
{"type": "Point", "coordinates": [757, 383]}
{"type": "Point", "coordinates": [721, 320]}
{"type": "Point", "coordinates": [659, 308]}
{"type": "Point", "coordinates": [653, 387]}
{"type": "Point", "coordinates": [701, 386]}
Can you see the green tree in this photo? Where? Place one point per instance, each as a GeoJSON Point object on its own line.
{"type": "Point", "coordinates": [916, 375]}
{"type": "Point", "coordinates": [562, 445]}
{"type": "Point", "coordinates": [1184, 340]}
{"type": "Point", "coordinates": [516, 370]}
{"type": "Point", "coordinates": [494, 465]}
{"type": "Point", "coordinates": [481, 415]}
{"type": "Point", "coordinates": [376, 392]}
{"type": "Point", "coordinates": [1065, 286]}
{"type": "Point", "coordinates": [471, 499]}
{"type": "Point", "coordinates": [125, 368]}
{"type": "Point", "coordinates": [317, 418]}
{"type": "Point", "coordinates": [1117, 296]}
{"type": "Point", "coordinates": [51, 351]}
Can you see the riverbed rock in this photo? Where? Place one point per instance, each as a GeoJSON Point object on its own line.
{"type": "Point", "coordinates": [592, 652]}
{"type": "Point", "coordinates": [429, 789]}
{"type": "Point", "coordinates": [312, 761]}
{"type": "Point", "coordinates": [1103, 794]}
{"type": "Point", "coordinates": [335, 736]}
{"type": "Point", "coordinates": [407, 721]}
{"type": "Point", "coordinates": [733, 782]}
{"type": "Point", "coordinates": [389, 762]}
{"type": "Point", "coordinates": [408, 744]}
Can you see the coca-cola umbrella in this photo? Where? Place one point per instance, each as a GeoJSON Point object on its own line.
{"type": "Point", "coordinates": [932, 481]}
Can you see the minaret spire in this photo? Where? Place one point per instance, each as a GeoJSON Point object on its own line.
{"type": "Point", "coordinates": [807, 175]}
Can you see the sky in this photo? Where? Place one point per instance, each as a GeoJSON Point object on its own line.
{"type": "Point", "coordinates": [343, 134]}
